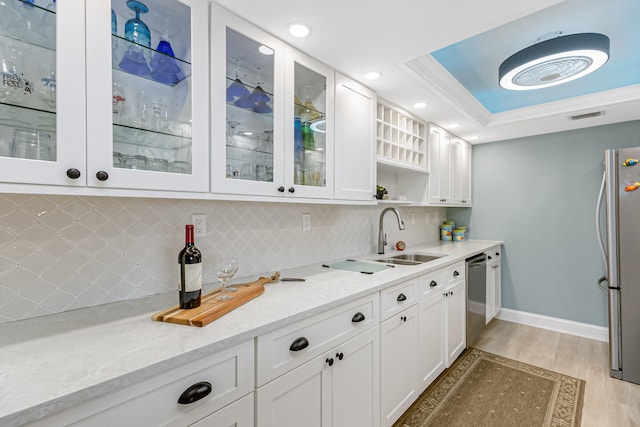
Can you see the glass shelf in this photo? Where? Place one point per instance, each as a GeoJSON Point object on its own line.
{"type": "Point", "coordinates": [121, 45]}
{"type": "Point", "coordinates": [173, 140]}
{"type": "Point", "coordinates": [27, 83]}
{"type": "Point", "coordinates": [24, 115]}
{"type": "Point", "coordinates": [248, 150]}
{"type": "Point", "coordinates": [43, 34]}
{"type": "Point", "coordinates": [315, 114]}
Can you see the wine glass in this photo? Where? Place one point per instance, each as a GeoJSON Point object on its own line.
{"type": "Point", "coordinates": [225, 270]}
{"type": "Point", "coordinates": [237, 89]}
{"type": "Point", "coordinates": [136, 31]}
{"type": "Point", "coordinates": [231, 131]}
{"type": "Point", "coordinates": [258, 94]}
{"type": "Point", "coordinates": [260, 98]}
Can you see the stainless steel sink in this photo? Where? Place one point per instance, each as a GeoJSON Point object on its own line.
{"type": "Point", "coordinates": [408, 259]}
{"type": "Point", "coordinates": [417, 257]}
{"type": "Point", "coordinates": [397, 261]}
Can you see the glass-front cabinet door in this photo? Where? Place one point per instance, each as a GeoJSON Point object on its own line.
{"type": "Point", "coordinates": [42, 113]}
{"type": "Point", "coordinates": [147, 94]}
{"type": "Point", "coordinates": [309, 126]}
{"type": "Point", "coordinates": [247, 143]}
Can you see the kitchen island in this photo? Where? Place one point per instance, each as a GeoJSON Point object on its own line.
{"type": "Point", "coordinates": [56, 362]}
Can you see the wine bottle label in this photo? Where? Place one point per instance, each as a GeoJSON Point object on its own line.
{"type": "Point", "coordinates": [193, 277]}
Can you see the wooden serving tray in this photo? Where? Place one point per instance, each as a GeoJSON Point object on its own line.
{"type": "Point", "coordinates": [210, 308]}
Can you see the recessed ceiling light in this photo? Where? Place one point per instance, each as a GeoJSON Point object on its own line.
{"type": "Point", "coordinates": [454, 125]}
{"type": "Point", "coordinates": [299, 30]}
{"type": "Point", "coordinates": [420, 105]}
{"type": "Point", "coordinates": [372, 75]}
{"type": "Point", "coordinates": [265, 50]}
{"type": "Point", "coordinates": [554, 61]}
{"type": "Point", "coordinates": [473, 137]}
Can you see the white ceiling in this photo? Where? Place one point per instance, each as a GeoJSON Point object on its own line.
{"type": "Point", "coordinates": [397, 37]}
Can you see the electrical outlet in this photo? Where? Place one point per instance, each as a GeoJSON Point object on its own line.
{"type": "Point", "coordinates": [427, 217]}
{"type": "Point", "coordinates": [412, 218]}
{"type": "Point", "coordinates": [306, 222]}
{"type": "Point", "coordinates": [199, 225]}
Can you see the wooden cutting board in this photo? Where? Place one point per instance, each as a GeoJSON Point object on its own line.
{"type": "Point", "coordinates": [210, 308]}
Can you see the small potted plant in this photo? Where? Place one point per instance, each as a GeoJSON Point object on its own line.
{"type": "Point", "coordinates": [381, 193]}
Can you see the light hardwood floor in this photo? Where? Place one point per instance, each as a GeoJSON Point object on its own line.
{"type": "Point", "coordinates": [608, 402]}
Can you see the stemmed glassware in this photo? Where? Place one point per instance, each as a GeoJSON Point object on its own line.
{"type": "Point", "coordinates": [136, 31]}
{"type": "Point", "coordinates": [231, 131]}
{"type": "Point", "coordinates": [225, 270]}
{"type": "Point", "coordinates": [164, 67]}
{"type": "Point", "coordinates": [260, 98]}
{"type": "Point", "coordinates": [237, 89]}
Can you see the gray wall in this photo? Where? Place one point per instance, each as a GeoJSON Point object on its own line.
{"type": "Point", "coordinates": [538, 195]}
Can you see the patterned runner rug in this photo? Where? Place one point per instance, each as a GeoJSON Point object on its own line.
{"type": "Point", "coordinates": [485, 390]}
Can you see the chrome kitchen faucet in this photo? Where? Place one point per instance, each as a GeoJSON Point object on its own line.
{"type": "Point", "coordinates": [382, 237]}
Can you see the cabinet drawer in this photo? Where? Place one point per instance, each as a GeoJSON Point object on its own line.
{"type": "Point", "coordinates": [430, 283]}
{"type": "Point", "coordinates": [238, 414]}
{"type": "Point", "coordinates": [155, 401]}
{"type": "Point", "coordinates": [397, 298]}
{"type": "Point", "coordinates": [286, 348]}
{"type": "Point", "coordinates": [454, 273]}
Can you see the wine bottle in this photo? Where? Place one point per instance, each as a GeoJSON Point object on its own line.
{"type": "Point", "coordinates": [190, 261]}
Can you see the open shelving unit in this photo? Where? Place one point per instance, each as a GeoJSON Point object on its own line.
{"type": "Point", "coordinates": [402, 162]}
{"type": "Point", "coordinates": [401, 140]}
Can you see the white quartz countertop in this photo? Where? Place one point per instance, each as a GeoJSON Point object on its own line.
{"type": "Point", "coordinates": [54, 362]}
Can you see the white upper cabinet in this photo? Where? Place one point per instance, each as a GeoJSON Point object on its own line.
{"type": "Point", "coordinates": [247, 128]}
{"type": "Point", "coordinates": [461, 172]}
{"type": "Point", "coordinates": [147, 102]}
{"type": "Point", "coordinates": [309, 120]}
{"type": "Point", "coordinates": [42, 93]}
{"type": "Point", "coordinates": [355, 133]}
{"type": "Point", "coordinates": [449, 169]}
{"type": "Point", "coordinates": [273, 134]}
{"type": "Point", "coordinates": [129, 120]}
{"type": "Point", "coordinates": [126, 96]}
{"type": "Point", "coordinates": [439, 166]}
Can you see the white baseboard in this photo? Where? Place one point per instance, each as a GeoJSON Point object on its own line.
{"type": "Point", "coordinates": [600, 333]}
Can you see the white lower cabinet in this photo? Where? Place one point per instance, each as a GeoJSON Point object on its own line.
{"type": "Point", "coordinates": [211, 383]}
{"type": "Point", "coordinates": [362, 364]}
{"type": "Point", "coordinates": [494, 283]}
{"type": "Point", "coordinates": [431, 338]}
{"type": "Point", "coordinates": [340, 388]}
{"type": "Point", "coordinates": [398, 364]}
{"type": "Point", "coordinates": [238, 414]}
{"type": "Point", "coordinates": [456, 321]}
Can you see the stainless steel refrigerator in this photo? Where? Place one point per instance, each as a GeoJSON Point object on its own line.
{"type": "Point", "coordinates": [621, 251]}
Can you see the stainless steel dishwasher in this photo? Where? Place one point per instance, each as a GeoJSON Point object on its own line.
{"type": "Point", "coordinates": [476, 291]}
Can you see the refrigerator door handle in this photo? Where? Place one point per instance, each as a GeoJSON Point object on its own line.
{"type": "Point", "coordinates": [612, 261]}
{"type": "Point", "coordinates": [598, 216]}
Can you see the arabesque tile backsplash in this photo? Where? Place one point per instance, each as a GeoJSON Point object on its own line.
{"type": "Point", "coordinates": [59, 253]}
